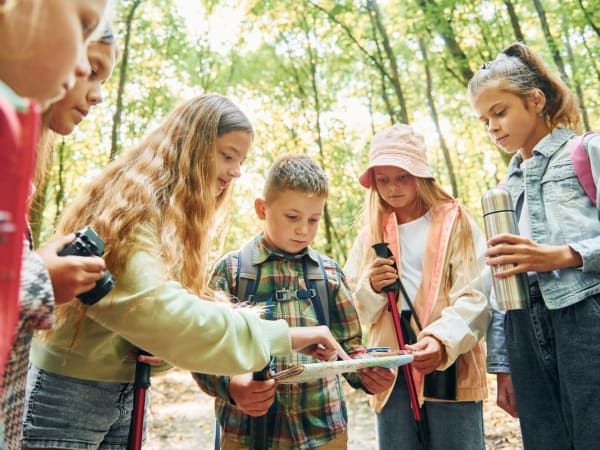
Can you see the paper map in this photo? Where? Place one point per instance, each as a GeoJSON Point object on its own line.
{"type": "Point", "coordinates": [311, 372]}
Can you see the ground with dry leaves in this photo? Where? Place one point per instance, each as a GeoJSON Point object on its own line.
{"type": "Point", "coordinates": [181, 417]}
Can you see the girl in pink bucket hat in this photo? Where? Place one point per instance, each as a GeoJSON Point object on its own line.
{"type": "Point", "coordinates": [437, 262]}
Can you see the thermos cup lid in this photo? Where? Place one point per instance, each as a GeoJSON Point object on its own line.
{"type": "Point", "coordinates": [496, 200]}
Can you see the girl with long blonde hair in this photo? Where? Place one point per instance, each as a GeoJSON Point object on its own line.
{"type": "Point", "coordinates": [158, 208]}
{"type": "Point", "coordinates": [438, 256]}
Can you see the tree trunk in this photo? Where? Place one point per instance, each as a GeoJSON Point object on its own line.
{"type": "Point", "coordinates": [440, 24]}
{"type": "Point", "coordinates": [312, 61]}
{"type": "Point", "coordinates": [550, 40]}
{"type": "Point", "coordinates": [514, 21]}
{"type": "Point", "coordinates": [60, 192]}
{"type": "Point", "coordinates": [589, 19]}
{"type": "Point", "coordinates": [114, 150]}
{"type": "Point", "coordinates": [373, 7]}
{"type": "Point", "coordinates": [578, 89]}
{"type": "Point", "coordinates": [435, 118]}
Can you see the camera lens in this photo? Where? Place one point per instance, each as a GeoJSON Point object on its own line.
{"type": "Point", "coordinates": [103, 287]}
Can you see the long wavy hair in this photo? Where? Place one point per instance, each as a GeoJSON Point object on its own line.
{"type": "Point", "coordinates": [169, 182]}
{"type": "Point", "coordinates": [430, 195]}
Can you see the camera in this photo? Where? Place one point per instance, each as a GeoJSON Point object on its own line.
{"type": "Point", "coordinates": [88, 243]}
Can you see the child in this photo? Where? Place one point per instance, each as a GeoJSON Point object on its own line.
{"type": "Point", "coordinates": [43, 45]}
{"type": "Point", "coordinates": [40, 55]}
{"type": "Point", "coordinates": [156, 207]}
{"type": "Point", "coordinates": [36, 297]}
{"type": "Point", "coordinates": [438, 250]}
{"type": "Point", "coordinates": [305, 415]}
{"type": "Point", "coordinates": [552, 352]}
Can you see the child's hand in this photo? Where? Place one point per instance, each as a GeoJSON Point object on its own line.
{"type": "Point", "coordinates": [382, 273]}
{"type": "Point", "coordinates": [317, 342]}
{"type": "Point", "coordinates": [505, 397]}
{"type": "Point", "coordinates": [253, 397]}
{"type": "Point", "coordinates": [376, 379]}
{"type": "Point", "coordinates": [428, 353]}
{"type": "Point", "coordinates": [70, 275]}
{"type": "Point", "coordinates": [147, 359]}
{"type": "Point", "coordinates": [528, 256]}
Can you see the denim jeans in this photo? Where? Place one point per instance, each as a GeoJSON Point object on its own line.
{"type": "Point", "coordinates": [69, 413]}
{"type": "Point", "coordinates": [452, 425]}
{"type": "Point", "coordinates": [555, 365]}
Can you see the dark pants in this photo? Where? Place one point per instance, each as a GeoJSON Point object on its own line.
{"type": "Point", "coordinates": [452, 425]}
{"type": "Point", "coordinates": [554, 358]}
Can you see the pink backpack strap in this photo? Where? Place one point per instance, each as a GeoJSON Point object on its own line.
{"type": "Point", "coordinates": [583, 168]}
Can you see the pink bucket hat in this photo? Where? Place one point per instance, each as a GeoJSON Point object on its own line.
{"type": "Point", "coordinates": [397, 146]}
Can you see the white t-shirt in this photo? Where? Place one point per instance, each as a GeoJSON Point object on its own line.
{"type": "Point", "coordinates": [413, 238]}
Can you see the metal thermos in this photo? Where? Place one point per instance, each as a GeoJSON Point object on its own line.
{"type": "Point", "coordinates": [499, 217]}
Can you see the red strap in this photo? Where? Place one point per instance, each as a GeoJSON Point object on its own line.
{"type": "Point", "coordinates": [583, 168]}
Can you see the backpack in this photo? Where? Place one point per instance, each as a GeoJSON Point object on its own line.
{"type": "Point", "coordinates": [315, 277]}
{"type": "Point", "coordinates": [582, 167]}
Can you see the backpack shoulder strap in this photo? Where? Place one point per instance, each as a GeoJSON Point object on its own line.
{"type": "Point", "coordinates": [583, 168]}
{"type": "Point", "coordinates": [247, 274]}
{"type": "Point", "coordinates": [316, 279]}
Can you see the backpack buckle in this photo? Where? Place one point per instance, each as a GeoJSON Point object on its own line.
{"type": "Point", "coordinates": [284, 295]}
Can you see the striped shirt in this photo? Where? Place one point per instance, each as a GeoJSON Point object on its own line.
{"type": "Point", "coordinates": [304, 415]}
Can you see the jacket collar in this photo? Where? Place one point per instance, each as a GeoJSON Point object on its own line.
{"type": "Point", "coordinates": [546, 147]}
{"type": "Point", "coordinates": [261, 252]}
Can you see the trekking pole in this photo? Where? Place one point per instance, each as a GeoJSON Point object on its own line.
{"type": "Point", "coordinates": [382, 251]}
{"type": "Point", "coordinates": [140, 386]}
{"type": "Point", "coordinates": [258, 425]}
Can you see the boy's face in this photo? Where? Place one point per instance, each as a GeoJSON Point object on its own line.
{"type": "Point", "coordinates": [291, 219]}
{"type": "Point", "coordinates": [87, 92]}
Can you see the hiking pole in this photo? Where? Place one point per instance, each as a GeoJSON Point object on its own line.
{"type": "Point", "coordinates": [382, 251]}
{"type": "Point", "coordinates": [258, 425]}
{"type": "Point", "coordinates": [140, 386]}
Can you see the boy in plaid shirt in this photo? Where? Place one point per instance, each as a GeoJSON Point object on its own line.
{"type": "Point", "coordinates": [303, 415]}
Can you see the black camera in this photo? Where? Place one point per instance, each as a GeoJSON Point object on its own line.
{"type": "Point", "coordinates": [88, 243]}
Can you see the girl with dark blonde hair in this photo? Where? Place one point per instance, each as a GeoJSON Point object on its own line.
{"type": "Point", "coordinates": [550, 357]}
{"type": "Point", "coordinates": [438, 251]}
{"type": "Point", "coordinates": [158, 207]}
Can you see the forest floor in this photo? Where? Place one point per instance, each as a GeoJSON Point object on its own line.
{"type": "Point", "coordinates": [181, 418]}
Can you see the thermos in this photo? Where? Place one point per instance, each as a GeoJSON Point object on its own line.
{"type": "Point", "coordinates": [499, 217]}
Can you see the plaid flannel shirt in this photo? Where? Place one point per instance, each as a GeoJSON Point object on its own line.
{"type": "Point", "coordinates": [304, 415]}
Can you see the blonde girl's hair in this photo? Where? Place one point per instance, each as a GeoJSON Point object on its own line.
{"type": "Point", "coordinates": [169, 182]}
{"type": "Point", "coordinates": [518, 70]}
{"type": "Point", "coordinates": [430, 195]}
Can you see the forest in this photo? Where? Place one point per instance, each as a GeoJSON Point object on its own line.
{"type": "Point", "coordinates": [320, 77]}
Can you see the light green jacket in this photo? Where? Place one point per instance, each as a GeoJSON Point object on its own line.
{"type": "Point", "coordinates": [160, 316]}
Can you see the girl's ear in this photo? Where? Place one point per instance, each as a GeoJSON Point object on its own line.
{"type": "Point", "coordinates": [259, 207]}
{"type": "Point", "coordinates": [537, 100]}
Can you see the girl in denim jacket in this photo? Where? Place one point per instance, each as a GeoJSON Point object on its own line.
{"type": "Point", "coordinates": [550, 347]}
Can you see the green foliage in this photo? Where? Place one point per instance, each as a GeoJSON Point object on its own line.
{"type": "Point", "coordinates": [315, 79]}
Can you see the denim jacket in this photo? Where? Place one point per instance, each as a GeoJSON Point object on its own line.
{"type": "Point", "coordinates": [560, 213]}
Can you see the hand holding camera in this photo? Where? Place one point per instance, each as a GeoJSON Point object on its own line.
{"type": "Point", "coordinates": [87, 243]}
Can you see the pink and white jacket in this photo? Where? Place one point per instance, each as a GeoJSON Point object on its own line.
{"type": "Point", "coordinates": [451, 301]}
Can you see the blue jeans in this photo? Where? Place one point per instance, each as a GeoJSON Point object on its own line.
{"type": "Point", "coordinates": [69, 413]}
{"type": "Point", "coordinates": [452, 425]}
{"type": "Point", "coordinates": [555, 365]}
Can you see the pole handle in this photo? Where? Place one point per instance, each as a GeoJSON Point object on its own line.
{"type": "Point", "coordinates": [258, 425]}
{"type": "Point", "coordinates": [382, 250]}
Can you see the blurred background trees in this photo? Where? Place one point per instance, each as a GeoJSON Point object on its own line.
{"type": "Point", "coordinates": [320, 77]}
